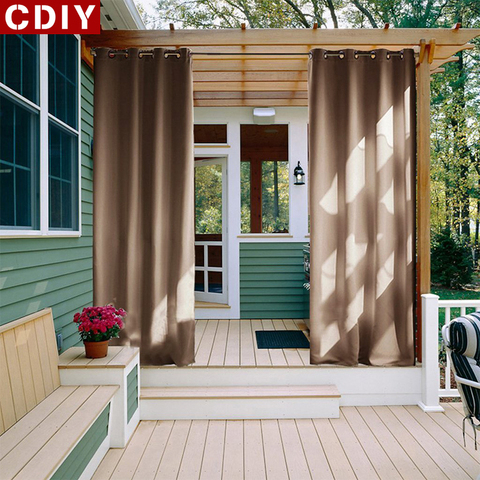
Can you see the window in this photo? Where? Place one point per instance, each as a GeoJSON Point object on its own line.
{"type": "Point", "coordinates": [19, 68]}
{"type": "Point", "coordinates": [63, 78]}
{"type": "Point", "coordinates": [264, 177]}
{"type": "Point", "coordinates": [19, 164]}
{"type": "Point", "coordinates": [210, 134]}
{"type": "Point", "coordinates": [63, 154]}
{"type": "Point", "coordinates": [39, 136]}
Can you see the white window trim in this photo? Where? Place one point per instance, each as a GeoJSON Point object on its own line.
{"type": "Point", "coordinates": [45, 116]}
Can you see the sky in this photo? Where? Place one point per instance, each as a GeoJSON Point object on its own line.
{"type": "Point", "coordinates": [148, 5]}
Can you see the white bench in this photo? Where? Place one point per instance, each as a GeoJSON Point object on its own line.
{"type": "Point", "coordinates": [47, 430]}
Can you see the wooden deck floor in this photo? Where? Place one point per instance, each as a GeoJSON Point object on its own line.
{"type": "Point", "coordinates": [232, 343]}
{"type": "Point", "coordinates": [365, 443]}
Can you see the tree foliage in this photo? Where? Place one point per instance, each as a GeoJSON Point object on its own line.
{"type": "Point", "coordinates": [451, 259]}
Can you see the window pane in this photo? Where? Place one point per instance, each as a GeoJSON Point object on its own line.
{"type": "Point", "coordinates": [63, 178]}
{"type": "Point", "coordinates": [7, 122]}
{"type": "Point", "coordinates": [275, 197]}
{"type": "Point", "coordinates": [63, 81]}
{"type": "Point", "coordinates": [199, 281]}
{"type": "Point", "coordinates": [210, 133]}
{"type": "Point", "coordinates": [199, 255]}
{"type": "Point", "coordinates": [245, 196]}
{"type": "Point", "coordinates": [24, 203]}
{"type": "Point", "coordinates": [19, 60]}
{"type": "Point", "coordinates": [19, 165]}
{"type": "Point", "coordinates": [7, 192]}
{"type": "Point", "coordinates": [215, 282]}
{"type": "Point", "coordinates": [208, 199]}
{"type": "Point", "coordinates": [214, 255]}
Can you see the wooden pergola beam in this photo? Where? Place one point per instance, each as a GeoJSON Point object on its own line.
{"type": "Point", "coordinates": [249, 76]}
{"type": "Point", "coordinates": [252, 102]}
{"type": "Point", "coordinates": [249, 86]}
{"type": "Point", "coordinates": [280, 36]}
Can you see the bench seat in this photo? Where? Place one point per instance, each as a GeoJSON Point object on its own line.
{"type": "Point", "coordinates": [40, 442]}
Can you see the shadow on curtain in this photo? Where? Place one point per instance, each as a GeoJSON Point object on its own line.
{"type": "Point", "coordinates": [144, 199]}
{"type": "Point", "coordinates": [362, 207]}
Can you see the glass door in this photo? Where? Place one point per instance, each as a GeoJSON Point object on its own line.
{"type": "Point", "coordinates": [210, 230]}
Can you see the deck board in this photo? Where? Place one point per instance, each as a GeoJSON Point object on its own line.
{"type": "Point", "coordinates": [233, 343]}
{"type": "Point", "coordinates": [365, 442]}
{"type": "Point", "coordinates": [212, 464]}
{"type": "Point", "coordinates": [407, 440]}
{"type": "Point", "coordinates": [193, 454]}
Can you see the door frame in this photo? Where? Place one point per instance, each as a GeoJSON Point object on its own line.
{"type": "Point", "coordinates": [220, 298]}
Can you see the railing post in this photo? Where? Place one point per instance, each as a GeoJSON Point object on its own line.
{"type": "Point", "coordinates": [430, 368]}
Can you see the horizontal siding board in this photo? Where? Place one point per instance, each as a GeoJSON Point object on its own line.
{"type": "Point", "coordinates": [31, 290]}
{"type": "Point", "coordinates": [270, 269]}
{"type": "Point", "coordinates": [288, 262]}
{"type": "Point", "coordinates": [36, 273]}
{"type": "Point", "coordinates": [271, 246]}
{"type": "Point", "coordinates": [44, 256]}
{"type": "Point", "coordinates": [20, 309]}
{"type": "Point", "coordinates": [16, 278]}
{"type": "Point", "coordinates": [271, 281]}
{"type": "Point", "coordinates": [269, 277]}
{"type": "Point", "coordinates": [24, 245]}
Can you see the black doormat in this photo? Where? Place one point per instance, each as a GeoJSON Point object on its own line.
{"type": "Point", "coordinates": [281, 339]}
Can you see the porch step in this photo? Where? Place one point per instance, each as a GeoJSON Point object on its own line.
{"type": "Point", "coordinates": [239, 402]}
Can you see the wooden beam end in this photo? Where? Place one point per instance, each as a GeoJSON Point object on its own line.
{"type": "Point", "coordinates": [386, 26]}
{"type": "Point", "coordinates": [315, 26]}
{"type": "Point", "coordinates": [172, 27]}
{"type": "Point", "coordinates": [431, 50]}
{"type": "Point", "coordinates": [423, 46]}
{"type": "Point", "coordinates": [244, 26]}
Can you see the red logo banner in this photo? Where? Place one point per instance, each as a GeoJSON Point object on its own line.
{"type": "Point", "coordinates": [50, 16]}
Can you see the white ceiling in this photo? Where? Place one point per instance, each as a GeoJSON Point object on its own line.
{"type": "Point", "coordinates": [120, 15]}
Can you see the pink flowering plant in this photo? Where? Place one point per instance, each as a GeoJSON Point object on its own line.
{"type": "Point", "coordinates": [97, 324]}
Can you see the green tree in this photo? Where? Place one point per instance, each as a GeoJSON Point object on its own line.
{"type": "Point", "coordinates": [451, 259]}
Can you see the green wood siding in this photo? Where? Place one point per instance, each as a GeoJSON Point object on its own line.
{"type": "Point", "coordinates": [78, 459]}
{"type": "Point", "coordinates": [36, 273]}
{"type": "Point", "coordinates": [271, 281]}
{"type": "Point", "coordinates": [132, 392]}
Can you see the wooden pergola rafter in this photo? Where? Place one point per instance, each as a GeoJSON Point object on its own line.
{"type": "Point", "coordinates": [269, 68]}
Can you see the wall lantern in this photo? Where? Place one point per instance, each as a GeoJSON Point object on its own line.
{"type": "Point", "coordinates": [299, 175]}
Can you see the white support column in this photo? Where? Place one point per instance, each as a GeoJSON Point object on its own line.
{"type": "Point", "coordinates": [430, 368]}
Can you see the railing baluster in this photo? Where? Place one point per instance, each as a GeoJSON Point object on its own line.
{"type": "Point", "coordinates": [447, 365]}
{"type": "Point", "coordinates": [447, 306]}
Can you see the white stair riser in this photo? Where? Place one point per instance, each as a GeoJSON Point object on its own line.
{"type": "Point", "coordinates": [357, 385]}
{"type": "Point", "coordinates": [238, 408]}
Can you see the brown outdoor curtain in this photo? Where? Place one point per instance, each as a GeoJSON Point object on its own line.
{"type": "Point", "coordinates": [362, 207]}
{"type": "Point", "coordinates": [144, 199]}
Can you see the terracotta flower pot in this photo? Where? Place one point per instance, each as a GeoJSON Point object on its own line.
{"type": "Point", "coordinates": [96, 349]}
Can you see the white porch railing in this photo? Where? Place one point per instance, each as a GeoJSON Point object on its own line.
{"type": "Point", "coordinates": [436, 313]}
{"type": "Point", "coordinates": [452, 309]}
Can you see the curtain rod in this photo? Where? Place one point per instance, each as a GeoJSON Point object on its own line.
{"type": "Point", "coordinates": [340, 53]}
